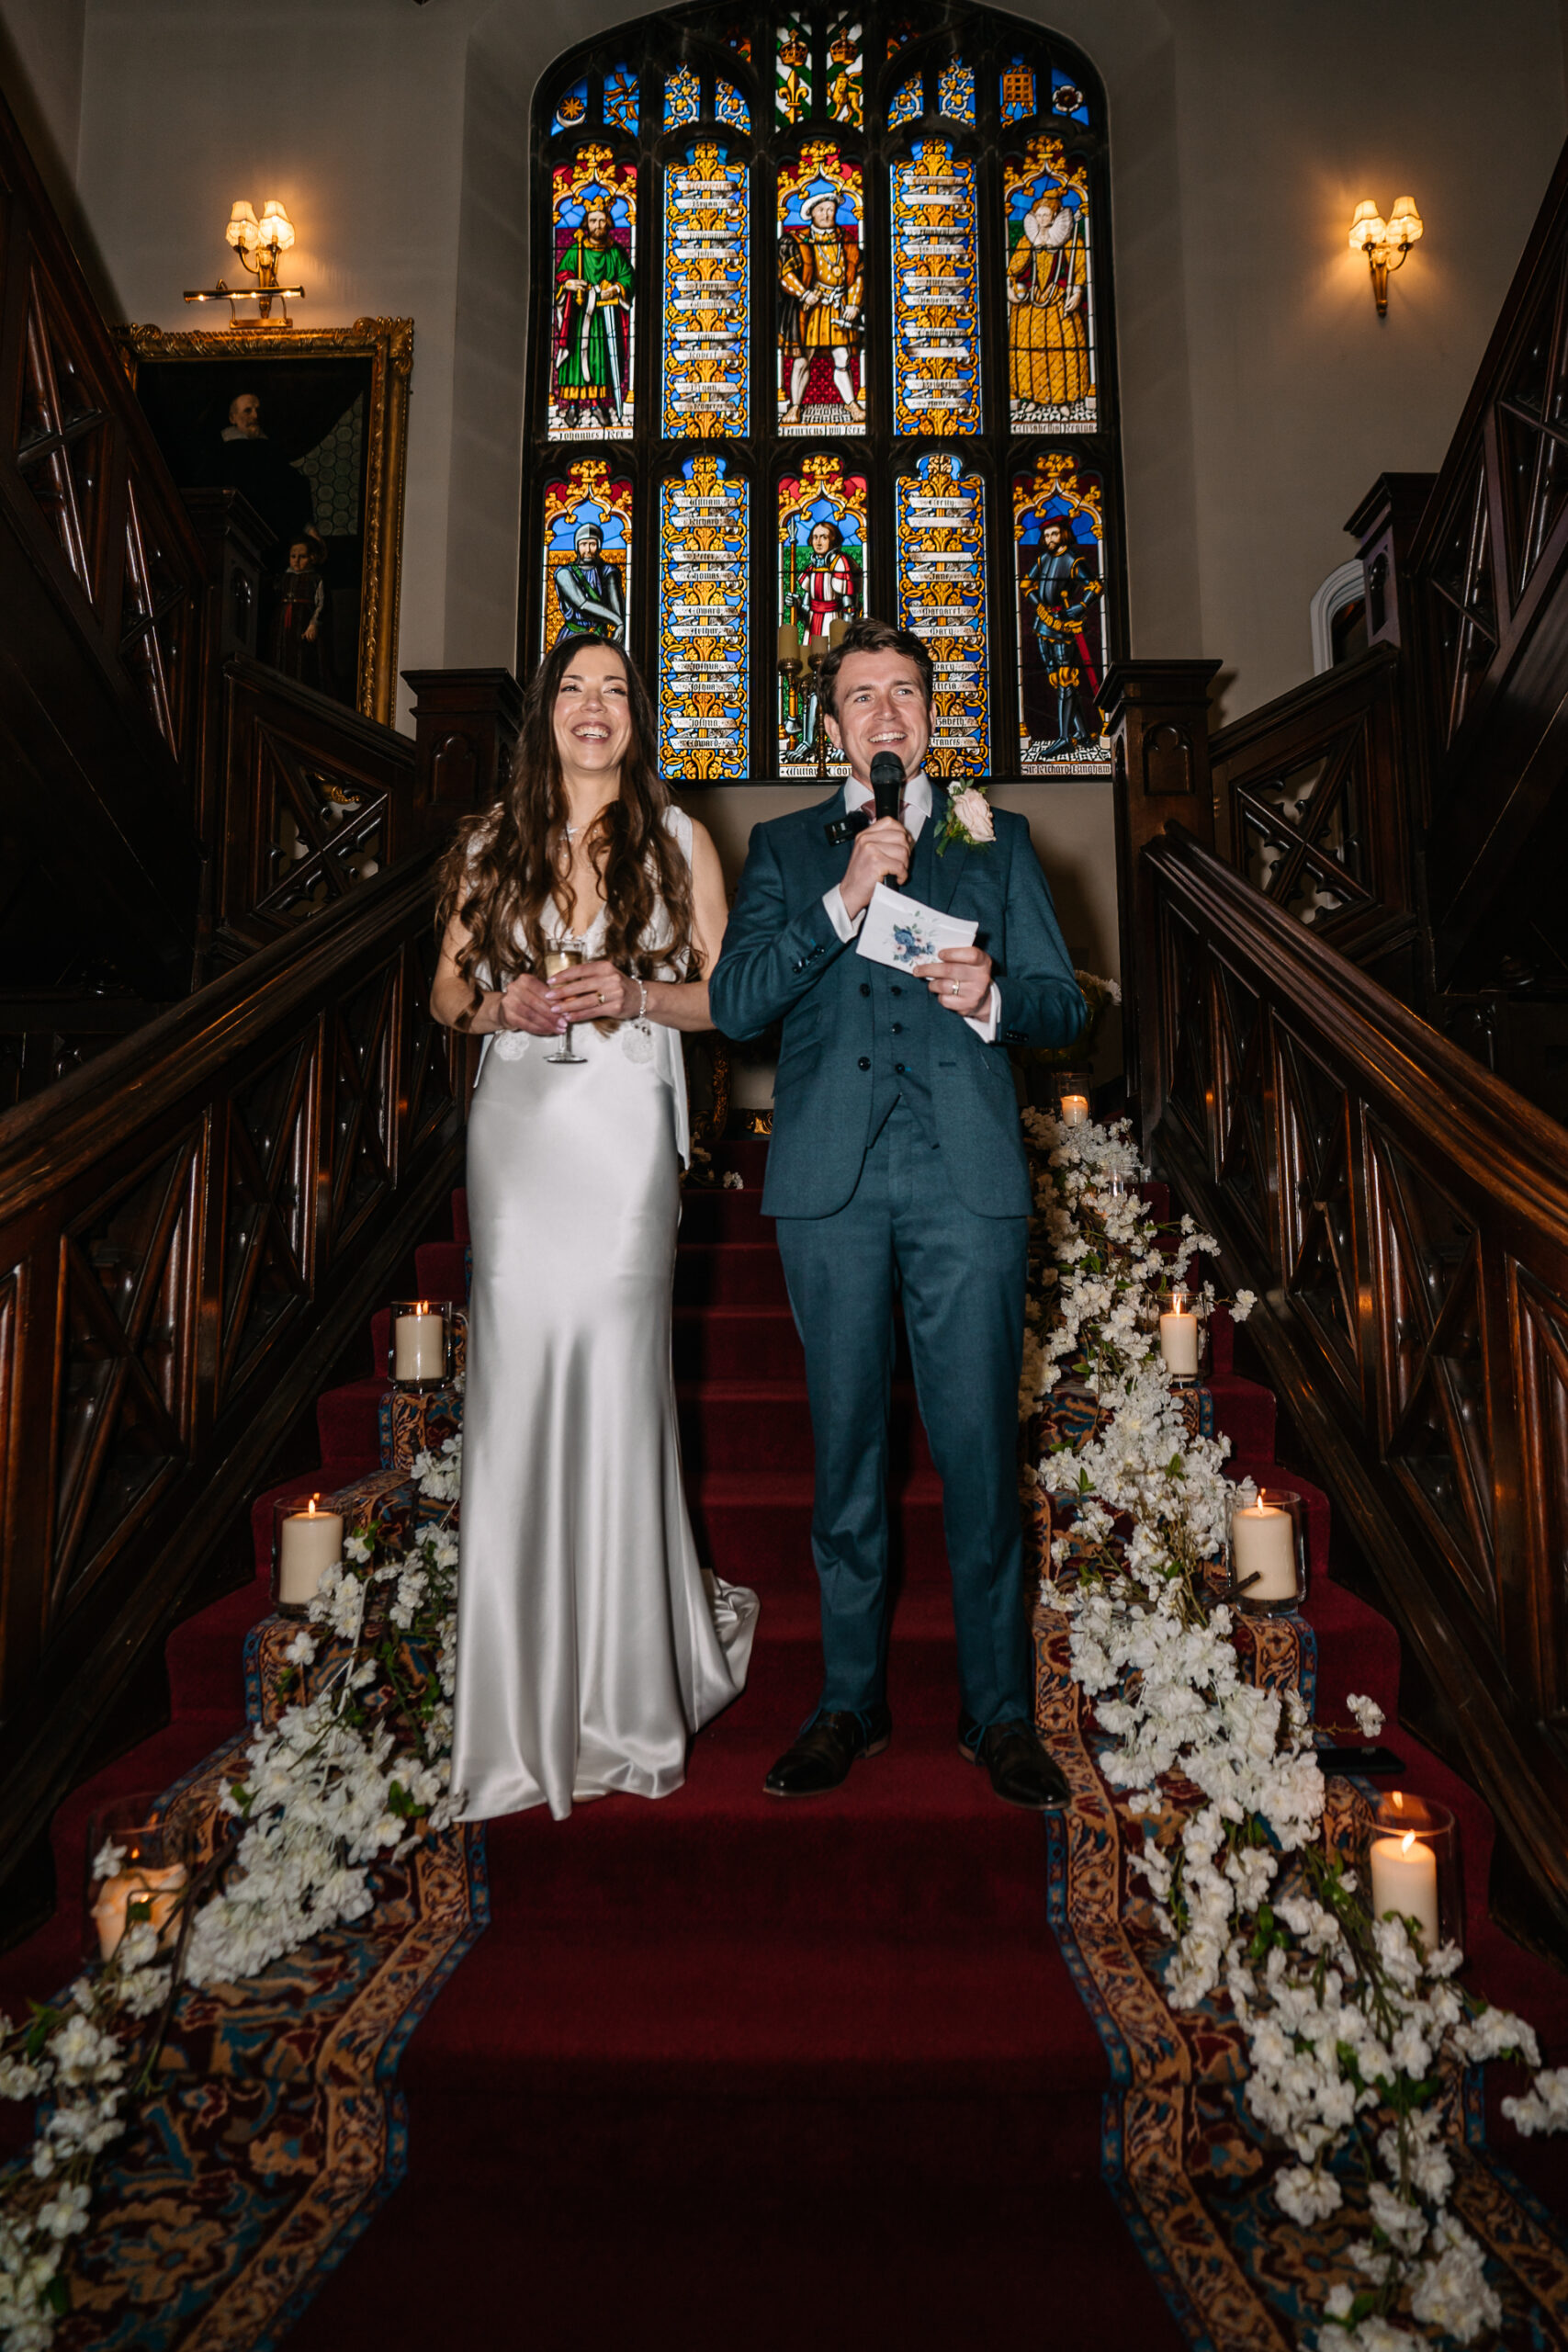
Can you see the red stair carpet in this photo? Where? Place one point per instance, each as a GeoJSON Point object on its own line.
{"type": "Point", "coordinates": [729, 2069]}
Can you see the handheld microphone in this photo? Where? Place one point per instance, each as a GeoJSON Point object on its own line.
{"type": "Point", "coordinates": [886, 784]}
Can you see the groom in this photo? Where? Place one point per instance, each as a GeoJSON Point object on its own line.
{"type": "Point", "coordinates": [896, 1170]}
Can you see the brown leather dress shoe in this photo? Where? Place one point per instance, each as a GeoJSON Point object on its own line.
{"type": "Point", "coordinates": [1021, 1773]}
{"type": "Point", "coordinates": [821, 1757]}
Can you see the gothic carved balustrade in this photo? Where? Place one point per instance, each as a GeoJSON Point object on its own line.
{"type": "Point", "coordinates": [1403, 1217]}
{"type": "Point", "coordinates": [192, 1227]}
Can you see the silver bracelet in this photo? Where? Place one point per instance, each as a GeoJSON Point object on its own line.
{"type": "Point", "coordinates": [641, 1013]}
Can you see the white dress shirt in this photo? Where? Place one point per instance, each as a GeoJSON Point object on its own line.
{"type": "Point", "coordinates": [916, 809]}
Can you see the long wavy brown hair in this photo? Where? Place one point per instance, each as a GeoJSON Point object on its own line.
{"type": "Point", "coordinates": [506, 866]}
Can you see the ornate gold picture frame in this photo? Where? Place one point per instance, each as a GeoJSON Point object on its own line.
{"type": "Point", "coordinates": [301, 376]}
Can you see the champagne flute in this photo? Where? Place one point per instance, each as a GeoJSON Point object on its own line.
{"type": "Point", "coordinates": [559, 958]}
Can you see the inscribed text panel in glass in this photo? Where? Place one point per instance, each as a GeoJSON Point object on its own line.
{"type": "Point", "coordinates": [822, 293]}
{"type": "Point", "coordinates": [909, 102]}
{"type": "Point", "coordinates": [955, 91]}
{"type": "Point", "coordinates": [822, 573]}
{"type": "Point", "coordinates": [587, 555]}
{"type": "Point", "coordinates": [792, 70]}
{"type": "Point", "coordinates": [707, 293]}
{"type": "Point", "coordinates": [683, 97]}
{"type": "Point", "coordinates": [703, 622]}
{"type": "Point", "coordinates": [940, 525]}
{"type": "Point", "coordinates": [593, 322]}
{"type": "Point", "coordinates": [620, 100]}
{"type": "Point", "coordinates": [1058, 535]}
{"type": "Point", "coordinates": [845, 59]}
{"type": "Point", "coordinates": [1051, 358]}
{"type": "Point", "coordinates": [936, 310]}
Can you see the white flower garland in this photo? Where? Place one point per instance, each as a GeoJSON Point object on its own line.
{"type": "Point", "coordinates": [339, 1784]}
{"type": "Point", "coordinates": [1348, 2022]}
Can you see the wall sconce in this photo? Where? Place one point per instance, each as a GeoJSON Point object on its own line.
{"type": "Point", "coordinates": [1384, 242]}
{"type": "Point", "coordinates": [258, 245]}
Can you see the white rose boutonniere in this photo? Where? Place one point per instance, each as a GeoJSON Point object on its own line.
{"type": "Point", "coordinates": [968, 820]}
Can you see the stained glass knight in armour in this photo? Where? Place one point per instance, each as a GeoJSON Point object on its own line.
{"type": "Point", "coordinates": [1047, 326]}
{"type": "Point", "coordinates": [589, 588]}
{"type": "Point", "coordinates": [1061, 587]}
{"type": "Point", "coordinates": [825, 592]}
{"type": "Point", "coordinates": [819, 277]}
{"type": "Point", "coordinates": [593, 291]}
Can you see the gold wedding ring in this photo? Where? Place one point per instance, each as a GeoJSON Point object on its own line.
{"type": "Point", "coordinates": [601, 996]}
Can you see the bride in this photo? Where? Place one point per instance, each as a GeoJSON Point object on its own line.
{"type": "Point", "coordinates": [590, 1643]}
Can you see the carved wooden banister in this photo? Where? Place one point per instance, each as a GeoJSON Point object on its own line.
{"type": "Point", "coordinates": [192, 1228]}
{"type": "Point", "coordinates": [1403, 1215]}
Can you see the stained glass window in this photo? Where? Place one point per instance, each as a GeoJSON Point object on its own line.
{"type": "Point", "coordinates": [683, 99]}
{"type": "Point", "coordinates": [1017, 90]}
{"type": "Point", "coordinates": [594, 315]}
{"type": "Point", "coordinates": [620, 99]}
{"type": "Point", "coordinates": [792, 70]}
{"type": "Point", "coordinates": [572, 106]}
{"type": "Point", "coordinates": [936, 303]}
{"type": "Point", "coordinates": [707, 297]}
{"type": "Point", "coordinates": [955, 91]}
{"type": "Point", "coordinates": [587, 566]}
{"type": "Point", "coordinates": [822, 585]}
{"type": "Point", "coordinates": [909, 104]}
{"type": "Point", "coordinates": [703, 631]}
{"type": "Point", "coordinates": [1050, 367]}
{"type": "Point", "coordinates": [939, 532]}
{"type": "Point", "coordinates": [1058, 536]}
{"type": "Point", "coordinates": [822, 293]}
{"type": "Point", "coordinates": [798, 353]}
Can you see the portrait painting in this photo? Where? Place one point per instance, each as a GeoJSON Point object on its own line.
{"type": "Point", "coordinates": [308, 427]}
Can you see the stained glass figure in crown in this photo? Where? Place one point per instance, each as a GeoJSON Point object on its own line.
{"type": "Point", "coordinates": [588, 528]}
{"type": "Point", "coordinates": [593, 322]}
{"type": "Point", "coordinates": [1058, 528]}
{"type": "Point", "coordinates": [822, 293]}
{"type": "Point", "coordinates": [844, 101]}
{"type": "Point", "coordinates": [821, 588]}
{"type": "Point", "coordinates": [1050, 297]}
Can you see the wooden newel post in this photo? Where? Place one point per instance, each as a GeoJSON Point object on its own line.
{"type": "Point", "coordinates": [1159, 717]}
{"type": "Point", "coordinates": [466, 724]}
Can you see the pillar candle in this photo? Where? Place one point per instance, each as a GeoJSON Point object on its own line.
{"type": "Point", "coordinates": [1178, 1342]}
{"type": "Point", "coordinates": [309, 1543]}
{"type": "Point", "coordinates": [789, 643]}
{"type": "Point", "coordinates": [156, 1888]}
{"type": "Point", "coordinates": [419, 1346]}
{"type": "Point", "coordinates": [1404, 1879]}
{"type": "Point", "coordinates": [1075, 1110]}
{"type": "Point", "coordinates": [1263, 1544]}
{"type": "Point", "coordinates": [837, 632]}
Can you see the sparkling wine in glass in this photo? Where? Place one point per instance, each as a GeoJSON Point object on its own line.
{"type": "Point", "coordinates": [558, 959]}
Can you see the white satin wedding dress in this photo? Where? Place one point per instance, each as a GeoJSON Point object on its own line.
{"type": "Point", "coordinates": [591, 1644]}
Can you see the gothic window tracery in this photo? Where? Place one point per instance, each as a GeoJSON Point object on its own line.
{"type": "Point", "coordinates": [822, 326]}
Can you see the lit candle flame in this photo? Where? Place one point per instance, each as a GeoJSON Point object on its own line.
{"type": "Point", "coordinates": [1406, 1842]}
{"type": "Point", "coordinates": [1399, 1799]}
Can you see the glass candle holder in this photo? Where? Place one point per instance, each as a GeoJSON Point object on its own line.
{"type": "Point", "coordinates": [419, 1355]}
{"type": "Point", "coordinates": [1072, 1097]}
{"type": "Point", "coordinates": [1183, 1337]}
{"type": "Point", "coordinates": [306, 1539]}
{"type": "Point", "coordinates": [1414, 1864]}
{"type": "Point", "coordinates": [146, 1883]}
{"type": "Point", "coordinates": [1268, 1549]}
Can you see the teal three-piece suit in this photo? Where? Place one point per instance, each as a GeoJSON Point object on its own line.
{"type": "Point", "coordinates": [896, 1170]}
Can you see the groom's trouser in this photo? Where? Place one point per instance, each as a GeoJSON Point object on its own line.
{"type": "Point", "coordinates": [962, 1280]}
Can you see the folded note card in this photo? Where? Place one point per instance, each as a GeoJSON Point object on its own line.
{"type": "Point", "coordinates": [904, 932]}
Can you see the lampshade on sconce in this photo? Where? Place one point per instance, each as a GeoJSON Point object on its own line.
{"type": "Point", "coordinates": [257, 243]}
{"type": "Point", "coordinates": [1384, 242]}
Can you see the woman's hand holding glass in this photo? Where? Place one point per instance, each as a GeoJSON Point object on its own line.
{"type": "Point", "coordinates": [595, 991]}
{"type": "Point", "coordinates": [526, 1004]}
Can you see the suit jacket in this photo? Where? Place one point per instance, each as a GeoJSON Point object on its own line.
{"type": "Point", "coordinates": [783, 961]}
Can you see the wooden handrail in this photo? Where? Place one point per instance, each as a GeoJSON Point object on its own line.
{"type": "Point", "coordinates": [1403, 1215]}
{"type": "Point", "coordinates": [194, 1227]}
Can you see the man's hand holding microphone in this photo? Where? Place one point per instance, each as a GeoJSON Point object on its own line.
{"type": "Point", "coordinates": [882, 853]}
